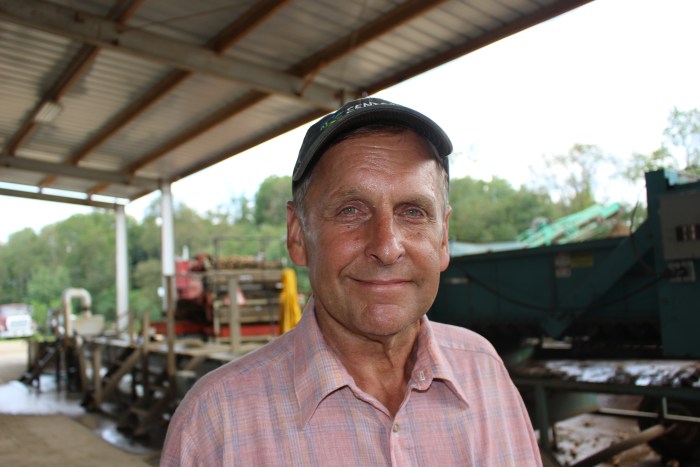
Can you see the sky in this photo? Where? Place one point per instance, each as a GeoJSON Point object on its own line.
{"type": "Point", "coordinates": [606, 74]}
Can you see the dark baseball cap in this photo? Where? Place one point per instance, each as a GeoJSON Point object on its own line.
{"type": "Point", "coordinates": [363, 112]}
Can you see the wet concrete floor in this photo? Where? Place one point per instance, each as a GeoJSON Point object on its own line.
{"type": "Point", "coordinates": [46, 425]}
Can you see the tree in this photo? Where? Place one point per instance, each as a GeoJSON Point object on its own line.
{"type": "Point", "coordinates": [191, 229]}
{"type": "Point", "coordinates": [18, 258]}
{"type": "Point", "coordinates": [146, 279]}
{"type": "Point", "coordinates": [643, 163]}
{"type": "Point", "coordinates": [572, 177]}
{"type": "Point", "coordinates": [271, 200]}
{"type": "Point", "coordinates": [493, 211]}
{"type": "Point", "coordinates": [683, 132]}
{"type": "Point", "coordinates": [46, 288]}
{"type": "Point", "coordinates": [679, 151]}
{"type": "Point", "coordinates": [238, 211]}
{"type": "Point", "coordinates": [682, 135]}
{"type": "Point", "coordinates": [86, 243]}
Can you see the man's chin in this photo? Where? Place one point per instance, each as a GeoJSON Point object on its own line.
{"type": "Point", "coordinates": [386, 320]}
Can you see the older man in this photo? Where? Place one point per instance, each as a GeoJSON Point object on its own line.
{"type": "Point", "coordinates": [365, 378]}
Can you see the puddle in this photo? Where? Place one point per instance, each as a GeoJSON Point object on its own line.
{"type": "Point", "coordinates": [19, 399]}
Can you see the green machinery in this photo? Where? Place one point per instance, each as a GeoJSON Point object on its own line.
{"type": "Point", "coordinates": [630, 304]}
{"type": "Point", "coordinates": [579, 226]}
{"type": "Point", "coordinates": [637, 293]}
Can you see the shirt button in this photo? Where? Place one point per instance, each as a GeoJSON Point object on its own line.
{"type": "Point", "coordinates": [395, 428]}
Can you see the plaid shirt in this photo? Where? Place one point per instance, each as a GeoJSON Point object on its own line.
{"type": "Point", "coordinates": [292, 403]}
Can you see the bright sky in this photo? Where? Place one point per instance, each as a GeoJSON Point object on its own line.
{"type": "Point", "coordinates": [606, 74]}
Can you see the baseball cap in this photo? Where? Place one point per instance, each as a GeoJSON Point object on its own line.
{"type": "Point", "coordinates": [363, 112]}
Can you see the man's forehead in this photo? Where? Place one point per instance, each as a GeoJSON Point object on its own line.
{"type": "Point", "coordinates": [373, 180]}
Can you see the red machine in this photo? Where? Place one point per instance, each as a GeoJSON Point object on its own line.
{"type": "Point", "coordinates": [203, 290]}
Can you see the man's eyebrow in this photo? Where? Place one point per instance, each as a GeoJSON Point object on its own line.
{"type": "Point", "coordinates": [344, 195]}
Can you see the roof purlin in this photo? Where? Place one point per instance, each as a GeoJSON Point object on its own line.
{"type": "Point", "coordinates": [324, 57]}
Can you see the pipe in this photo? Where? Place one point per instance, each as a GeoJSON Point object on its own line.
{"type": "Point", "coordinates": [66, 299]}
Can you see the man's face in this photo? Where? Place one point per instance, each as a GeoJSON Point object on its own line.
{"type": "Point", "coordinates": [375, 239]}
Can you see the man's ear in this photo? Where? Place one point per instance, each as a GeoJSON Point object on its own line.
{"type": "Point", "coordinates": [295, 236]}
{"type": "Point", "coordinates": [444, 242]}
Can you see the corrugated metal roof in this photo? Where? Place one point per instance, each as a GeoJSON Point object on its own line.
{"type": "Point", "coordinates": [152, 90]}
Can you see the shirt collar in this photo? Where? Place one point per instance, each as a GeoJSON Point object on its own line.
{"type": "Point", "coordinates": [318, 372]}
{"type": "Point", "coordinates": [431, 363]}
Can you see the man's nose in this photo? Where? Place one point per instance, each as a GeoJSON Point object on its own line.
{"type": "Point", "coordinates": [385, 243]}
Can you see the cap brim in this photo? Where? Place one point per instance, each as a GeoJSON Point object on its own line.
{"type": "Point", "coordinates": [388, 113]}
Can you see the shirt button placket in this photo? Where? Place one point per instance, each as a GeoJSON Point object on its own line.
{"type": "Point", "coordinates": [401, 445]}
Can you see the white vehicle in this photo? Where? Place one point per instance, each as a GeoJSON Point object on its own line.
{"type": "Point", "coordinates": [16, 320]}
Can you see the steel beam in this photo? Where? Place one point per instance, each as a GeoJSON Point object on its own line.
{"type": "Point", "coordinates": [80, 26]}
{"type": "Point", "coordinates": [57, 198]}
{"type": "Point", "coordinates": [67, 170]}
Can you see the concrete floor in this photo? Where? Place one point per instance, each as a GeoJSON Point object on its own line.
{"type": "Point", "coordinates": [45, 427]}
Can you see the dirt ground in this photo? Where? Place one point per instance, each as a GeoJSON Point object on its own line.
{"type": "Point", "coordinates": [46, 428]}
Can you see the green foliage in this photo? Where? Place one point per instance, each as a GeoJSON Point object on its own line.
{"type": "Point", "coordinates": [145, 302]}
{"type": "Point", "coordinates": [88, 242]}
{"type": "Point", "coordinates": [45, 289]}
{"type": "Point", "coordinates": [572, 177]}
{"type": "Point", "coordinates": [271, 200]}
{"type": "Point", "coordinates": [683, 132]}
{"type": "Point", "coordinates": [484, 212]}
{"type": "Point", "coordinates": [680, 150]}
{"type": "Point", "coordinates": [18, 259]}
{"type": "Point", "coordinates": [643, 163]}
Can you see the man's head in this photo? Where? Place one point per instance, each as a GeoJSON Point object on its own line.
{"type": "Point", "coordinates": [366, 115]}
{"type": "Point", "coordinates": [372, 225]}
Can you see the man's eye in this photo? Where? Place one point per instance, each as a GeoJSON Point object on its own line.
{"type": "Point", "coordinates": [347, 211]}
{"type": "Point", "coordinates": [414, 212]}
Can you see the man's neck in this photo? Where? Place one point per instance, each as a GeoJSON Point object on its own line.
{"type": "Point", "coordinates": [380, 365]}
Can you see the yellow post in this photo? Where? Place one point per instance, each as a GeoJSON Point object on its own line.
{"type": "Point", "coordinates": [290, 311]}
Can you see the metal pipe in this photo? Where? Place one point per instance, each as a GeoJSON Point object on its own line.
{"type": "Point", "coordinates": [647, 415]}
{"type": "Point", "coordinates": [66, 299]}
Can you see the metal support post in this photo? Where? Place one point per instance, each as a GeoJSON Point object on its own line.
{"type": "Point", "coordinates": [542, 416]}
{"type": "Point", "coordinates": [96, 374]}
{"type": "Point", "coordinates": [145, 341]}
{"type": "Point", "coordinates": [234, 318]}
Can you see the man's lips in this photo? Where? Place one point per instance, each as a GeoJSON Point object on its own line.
{"type": "Point", "coordinates": [381, 282]}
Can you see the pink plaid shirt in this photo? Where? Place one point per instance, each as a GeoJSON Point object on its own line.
{"type": "Point", "coordinates": [292, 403]}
